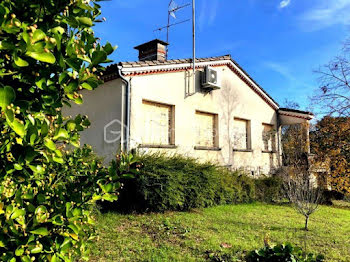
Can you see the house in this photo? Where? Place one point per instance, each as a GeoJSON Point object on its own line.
{"type": "Point", "coordinates": [153, 105]}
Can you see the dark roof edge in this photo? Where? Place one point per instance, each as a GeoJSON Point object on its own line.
{"type": "Point", "coordinates": [252, 79]}
{"type": "Point", "coordinates": [295, 111]}
{"type": "Point", "coordinates": [152, 41]}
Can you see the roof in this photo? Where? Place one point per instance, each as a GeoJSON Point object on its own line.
{"type": "Point", "coordinates": [110, 72]}
{"type": "Point", "coordinates": [296, 111]}
{"type": "Point", "coordinates": [173, 61]}
{"type": "Point", "coordinates": [154, 41]}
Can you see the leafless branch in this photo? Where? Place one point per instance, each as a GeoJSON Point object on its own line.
{"type": "Point", "coordinates": [333, 94]}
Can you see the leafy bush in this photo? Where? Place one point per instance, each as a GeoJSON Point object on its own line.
{"type": "Point", "coordinates": [282, 253]}
{"type": "Point", "coordinates": [48, 52]}
{"type": "Point", "coordinates": [269, 189]}
{"type": "Point", "coordinates": [329, 195]}
{"type": "Point", "coordinates": [181, 183]}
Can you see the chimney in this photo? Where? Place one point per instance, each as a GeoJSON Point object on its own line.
{"type": "Point", "coordinates": [153, 50]}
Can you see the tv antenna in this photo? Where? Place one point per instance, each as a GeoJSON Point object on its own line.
{"type": "Point", "coordinates": [172, 9]}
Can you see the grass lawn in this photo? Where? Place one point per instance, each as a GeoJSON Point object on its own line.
{"type": "Point", "coordinates": [231, 229]}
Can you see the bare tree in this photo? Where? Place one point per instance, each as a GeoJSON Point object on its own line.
{"type": "Point", "coordinates": [333, 94]}
{"type": "Point", "coordinates": [299, 181]}
{"type": "Point", "coordinates": [301, 189]}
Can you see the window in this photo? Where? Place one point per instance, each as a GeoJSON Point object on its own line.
{"type": "Point", "coordinates": [158, 124]}
{"type": "Point", "coordinates": [269, 138]}
{"type": "Point", "coordinates": [241, 134]}
{"type": "Point", "coordinates": [206, 130]}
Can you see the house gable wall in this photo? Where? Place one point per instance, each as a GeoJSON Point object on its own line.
{"type": "Point", "coordinates": [234, 99]}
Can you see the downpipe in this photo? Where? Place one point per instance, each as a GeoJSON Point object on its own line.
{"type": "Point", "coordinates": [126, 142]}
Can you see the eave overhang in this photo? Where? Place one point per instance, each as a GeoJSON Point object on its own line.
{"type": "Point", "coordinates": [292, 116]}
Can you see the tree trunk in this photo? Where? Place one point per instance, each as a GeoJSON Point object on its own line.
{"type": "Point", "coordinates": [306, 222]}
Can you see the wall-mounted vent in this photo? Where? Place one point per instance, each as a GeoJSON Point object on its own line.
{"type": "Point", "coordinates": [211, 78]}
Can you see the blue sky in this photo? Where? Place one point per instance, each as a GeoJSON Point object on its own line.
{"type": "Point", "coordinates": [278, 42]}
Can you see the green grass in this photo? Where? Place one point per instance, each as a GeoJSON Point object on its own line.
{"type": "Point", "coordinates": [231, 229]}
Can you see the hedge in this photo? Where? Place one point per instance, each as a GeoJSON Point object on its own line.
{"type": "Point", "coordinates": [181, 183]}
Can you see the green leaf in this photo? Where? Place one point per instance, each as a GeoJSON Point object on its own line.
{"type": "Point", "coordinates": [108, 48]}
{"type": "Point", "coordinates": [17, 126]}
{"type": "Point", "coordinates": [19, 252]}
{"type": "Point", "coordinates": [40, 231]}
{"type": "Point", "coordinates": [58, 159]}
{"type": "Point", "coordinates": [71, 125]}
{"type": "Point", "coordinates": [71, 87]}
{"type": "Point", "coordinates": [17, 166]}
{"type": "Point", "coordinates": [4, 45]}
{"type": "Point", "coordinates": [84, 21]}
{"type": "Point", "coordinates": [78, 100]}
{"type": "Point", "coordinates": [74, 228]}
{"type": "Point", "coordinates": [30, 154]}
{"type": "Point", "coordinates": [17, 213]}
{"type": "Point", "coordinates": [42, 56]}
{"type": "Point", "coordinates": [10, 116]}
{"type": "Point", "coordinates": [86, 86]}
{"type": "Point", "coordinates": [62, 134]}
{"type": "Point", "coordinates": [7, 96]}
{"type": "Point", "coordinates": [63, 78]}
{"type": "Point", "coordinates": [32, 134]}
{"type": "Point", "coordinates": [20, 62]}
{"type": "Point", "coordinates": [74, 63]}
{"type": "Point", "coordinates": [54, 258]}
{"type": "Point", "coordinates": [58, 29]}
{"type": "Point", "coordinates": [31, 119]}
{"type": "Point", "coordinates": [49, 144]}
{"type": "Point", "coordinates": [41, 83]}
{"type": "Point", "coordinates": [98, 57]}
{"type": "Point", "coordinates": [38, 35]}
{"type": "Point", "coordinates": [26, 259]}
{"type": "Point", "coordinates": [37, 249]}
{"type": "Point", "coordinates": [57, 220]}
{"type": "Point", "coordinates": [44, 128]}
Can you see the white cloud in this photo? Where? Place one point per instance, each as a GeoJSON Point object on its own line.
{"type": "Point", "coordinates": [327, 13]}
{"type": "Point", "coordinates": [284, 4]}
{"type": "Point", "coordinates": [281, 69]}
{"type": "Point", "coordinates": [286, 73]}
{"type": "Point", "coordinates": [207, 14]}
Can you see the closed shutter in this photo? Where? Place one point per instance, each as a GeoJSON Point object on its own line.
{"type": "Point", "coordinates": [205, 129]}
{"type": "Point", "coordinates": [157, 121]}
{"type": "Point", "coordinates": [240, 134]}
{"type": "Point", "coordinates": [269, 138]}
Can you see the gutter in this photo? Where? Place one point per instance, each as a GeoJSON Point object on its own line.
{"type": "Point", "coordinates": [126, 120]}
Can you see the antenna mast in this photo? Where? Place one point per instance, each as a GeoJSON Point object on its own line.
{"type": "Point", "coordinates": [194, 43]}
{"type": "Point", "coordinates": [172, 8]}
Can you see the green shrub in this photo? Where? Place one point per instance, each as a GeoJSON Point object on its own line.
{"type": "Point", "coordinates": [48, 52]}
{"type": "Point", "coordinates": [282, 253]}
{"type": "Point", "coordinates": [269, 189]}
{"type": "Point", "coordinates": [329, 195]}
{"type": "Point", "coordinates": [181, 183]}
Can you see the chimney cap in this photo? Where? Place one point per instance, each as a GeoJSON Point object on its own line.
{"type": "Point", "coordinates": [152, 42]}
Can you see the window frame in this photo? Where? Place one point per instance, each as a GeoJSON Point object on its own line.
{"type": "Point", "coordinates": [248, 136]}
{"type": "Point", "coordinates": [171, 128]}
{"type": "Point", "coordinates": [272, 138]}
{"type": "Point", "coordinates": [215, 138]}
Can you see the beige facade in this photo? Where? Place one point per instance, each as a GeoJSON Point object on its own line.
{"type": "Point", "coordinates": [237, 125]}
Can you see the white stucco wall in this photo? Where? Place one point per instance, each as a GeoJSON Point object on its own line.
{"type": "Point", "coordinates": [102, 106]}
{"type": "Point", "coordinates": [234, 99]}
